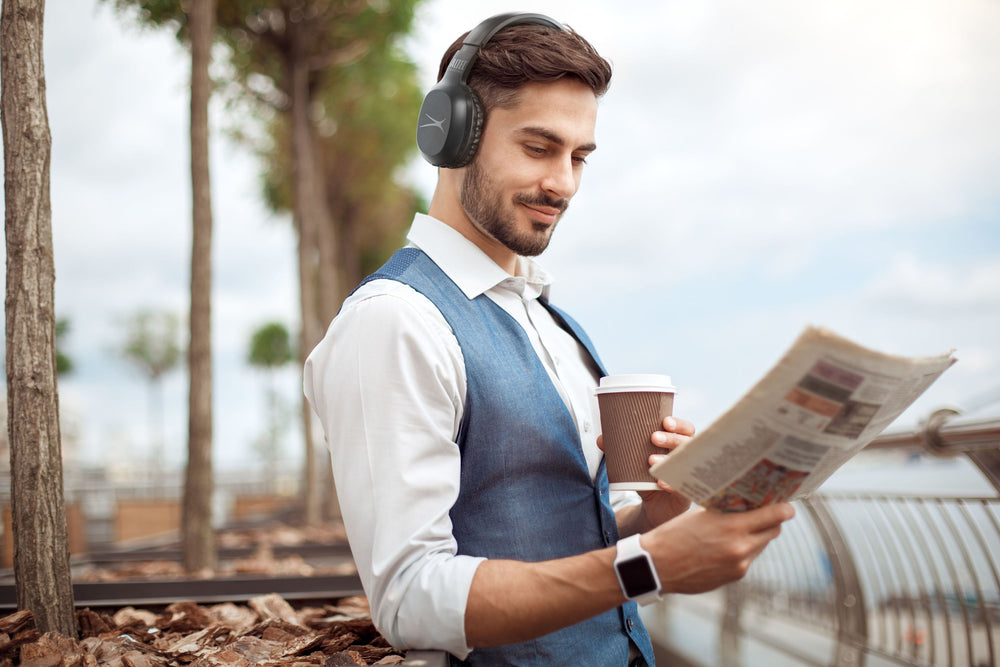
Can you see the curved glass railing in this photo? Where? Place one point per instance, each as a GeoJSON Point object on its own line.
{"type": "Point", "coordinates": [907, 574]}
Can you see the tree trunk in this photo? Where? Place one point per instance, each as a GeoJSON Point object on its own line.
{"type": "Point", "coordinates": [311, 215]}
{"type": "Point", "coordinates": [198, 537]}
{"type": "Point", "coordinates": [41, 552]}
{"type": "Point", "coordinates": [350, 248]}
{"type": "Point", "coordinates": [331, 281]}
{"type": "Point", "coordinates": [330, 296]}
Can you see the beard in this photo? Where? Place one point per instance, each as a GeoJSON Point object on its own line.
{"type": "Point", "coordinates": [482, 203]}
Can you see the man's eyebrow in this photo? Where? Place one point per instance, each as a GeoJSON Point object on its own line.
{"type": "Point", "coordinates": [549, 135]}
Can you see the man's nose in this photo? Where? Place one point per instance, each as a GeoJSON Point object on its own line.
{"type": "Point", "coordinates": [560, 180]}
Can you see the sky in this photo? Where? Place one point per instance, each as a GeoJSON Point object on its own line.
{"type": "Point", "coordinates": [760, 167]}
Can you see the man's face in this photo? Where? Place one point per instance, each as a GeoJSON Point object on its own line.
{"type": "Point", "coordinates": [528, 167]}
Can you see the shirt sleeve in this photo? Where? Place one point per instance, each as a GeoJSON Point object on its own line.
{"type": "Point", "coordinates": [388, 384]}
{"type": "Point", "coordinates": [622, 499]}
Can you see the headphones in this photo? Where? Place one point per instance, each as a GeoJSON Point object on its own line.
{"type": "Point", "coordinates": [451, 116]}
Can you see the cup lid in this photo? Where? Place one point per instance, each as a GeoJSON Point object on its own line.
{"type": "Point", "coordinates": [635, 382]}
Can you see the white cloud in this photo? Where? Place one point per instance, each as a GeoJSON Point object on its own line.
{"type": "Point", "coordinates": [909, 282]}
{"type": "Point", "coordinates": [746, 130]}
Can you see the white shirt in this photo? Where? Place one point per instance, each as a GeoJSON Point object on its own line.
{"type": "Point", "coordinates": [392, 432]}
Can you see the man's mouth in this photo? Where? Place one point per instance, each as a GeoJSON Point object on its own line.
{"type": "Point", "coordinates": [546, 214]}
{"type": "Point", "coordinates": [544, 209]}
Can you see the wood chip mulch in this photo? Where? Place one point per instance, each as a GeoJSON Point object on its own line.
{"type": "Point", "coordinates": [267, 631]}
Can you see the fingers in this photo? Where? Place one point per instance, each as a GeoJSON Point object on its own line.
{"type": "Point", "coordinates": [760, 542]}
{"type": "Point", "coordinates": [668, 440]}
{"type": "Point", "coordinates": [678, 425]}
{"type": "Point", "coordinates": [759, 536]}
{"type": "Point", "coordinates": [770, 517]}
{"type": "Point", "coordinates": [744, 546]}
{"type": "Point", "coordinates": [768, 535]}
{"type": "Point", "coordinates": [706, 549]}
{"type": "Point", "coordinates": [676, 432]}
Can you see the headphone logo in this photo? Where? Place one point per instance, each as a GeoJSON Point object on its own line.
{"type": "Point", "coordinates": [439, 124]}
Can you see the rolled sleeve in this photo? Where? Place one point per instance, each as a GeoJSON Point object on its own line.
{"type": "Point", "coordinates": [622, 499]}
{"type": "Point", "coordinates": [417, 612]}
{"type": "Point", "coordinates": [388, 384]}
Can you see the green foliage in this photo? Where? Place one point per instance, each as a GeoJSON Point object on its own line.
{"type": "Point", "coordinates": [271, 346]}
{"type": "Point", "coordinates": [151, 343]}
{"type": "Point", "coordinates": [326, 34]}
{"type": "Point", "coordinates": [64, 365]}
{"type": "Point", "coordinates": [364, 116]}
{"type": "Point", "coordinates": [155, 13]}
{"type": "Point", "coordinates": [364, 93]}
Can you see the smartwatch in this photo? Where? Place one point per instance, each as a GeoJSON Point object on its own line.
{"type": "Point", "coordinates": [636, 572]}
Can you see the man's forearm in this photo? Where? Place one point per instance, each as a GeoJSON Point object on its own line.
{"type": "Point", "coordinates": [512, 601]}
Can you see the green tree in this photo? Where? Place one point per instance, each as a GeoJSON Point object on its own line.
{"type": "Point", "coordinates": [287, 55]}
{"type": "Point", "coordinates": [271, 349]}
{"type": "Point", "coordinates": [41, 550]}
{"type": "Point", "coordinates": [271, 346]}
{"type": "Point", "coordinates": [362, 128]}
{"type": "Point", "coordinates": [151, 345]}
{"type": "Point", "coordinates": [366, 136]}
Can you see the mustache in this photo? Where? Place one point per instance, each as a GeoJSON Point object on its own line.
{"type": "Point", "coordinates": [541, 199]}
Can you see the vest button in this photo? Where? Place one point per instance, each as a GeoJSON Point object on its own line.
{"type": "Point", "coordinates": [628, 624]}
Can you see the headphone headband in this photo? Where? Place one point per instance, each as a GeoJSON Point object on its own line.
{"type": "Point", "coordinates": [491, 26]}
{"type": "Point", "coordinates": [462, 61]}
{"type": "Point", "coordinates": [451, 117]}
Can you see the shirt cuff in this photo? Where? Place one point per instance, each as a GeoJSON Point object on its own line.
{"type": "Point", "coordinates": [621, 499]}
{"type": "Point", "coordinates": [420, 612]}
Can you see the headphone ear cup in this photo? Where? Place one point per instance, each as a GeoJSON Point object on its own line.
{"type": "Point", "coordinates": [450, 125]}
{"type": "Point", "coordinates": [474, 130]}
{"type": "Point", "coordinates": [451, 118]}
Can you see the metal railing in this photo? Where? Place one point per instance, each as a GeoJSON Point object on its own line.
{"type": "Point", "coordinates": [866, 578]}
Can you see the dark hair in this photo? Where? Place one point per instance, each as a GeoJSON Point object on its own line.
{"type": "Point", "coordinates": [527, 53]}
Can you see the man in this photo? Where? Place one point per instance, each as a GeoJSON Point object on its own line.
{"type": "Point", "coordinates": [458, 403]}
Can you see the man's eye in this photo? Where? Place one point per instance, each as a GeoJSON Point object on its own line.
{"type": "Point", "coordinates": [579, 159]}
{"type": "Point", "coordinates": [535, 150]}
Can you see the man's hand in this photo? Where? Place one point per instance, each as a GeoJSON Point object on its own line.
{"type": "Point", "coordinates": [702, 550]}
{"type": "Point", "coordinates": [664, 504]}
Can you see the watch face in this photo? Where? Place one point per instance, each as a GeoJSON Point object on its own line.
{"type": "Point", "coordinates": [637, 577]}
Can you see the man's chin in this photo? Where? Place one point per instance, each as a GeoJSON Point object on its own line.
{"type": "Point", "coordinates": [538, 243]}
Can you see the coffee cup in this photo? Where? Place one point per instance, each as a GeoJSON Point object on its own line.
{"type": "Point", "coordinates": [632, 407]}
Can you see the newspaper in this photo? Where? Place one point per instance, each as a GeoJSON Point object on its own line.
{"type": "Point", "coordinates": [816, 408]}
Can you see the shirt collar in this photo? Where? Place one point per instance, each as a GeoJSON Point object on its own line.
{"type": "Point", "coordinates": [472, 269]}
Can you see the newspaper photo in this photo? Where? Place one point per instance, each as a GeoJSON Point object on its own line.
{"type": "Point", "coordinates": [824, 400]}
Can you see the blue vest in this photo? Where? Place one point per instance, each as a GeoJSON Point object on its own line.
{"type": "Point", "coordinates": [526, 492]}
